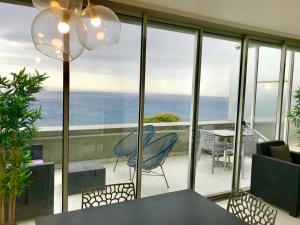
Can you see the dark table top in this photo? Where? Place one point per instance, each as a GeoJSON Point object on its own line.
{"type": "Point", "coordinates": [176, 208]}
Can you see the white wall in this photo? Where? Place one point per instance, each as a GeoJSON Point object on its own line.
{"type": "Point", "coordinates": [272, 16]}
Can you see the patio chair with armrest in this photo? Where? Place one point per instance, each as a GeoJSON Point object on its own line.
{"type": "Point", "coordinates": [37, 198]}
{"type": "Point", "coordinates": [127, 146]}
{"type": "Point", "coordinates": [154, 155]}
{"type": "Point", "coordinates": [250, 139]}
{"type": "Point", "coordinates": [215, 148]}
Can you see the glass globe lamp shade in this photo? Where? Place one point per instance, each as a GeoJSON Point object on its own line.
{"type": "Point", "coordinates": [55, 33]}
{"type": "Point", "coordinates": [74, 5]}
{"type": "Point", "coordinates": [102, 27]}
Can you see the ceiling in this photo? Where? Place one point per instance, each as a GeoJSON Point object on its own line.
{"type": "Point", "coordinates": [280, 17]}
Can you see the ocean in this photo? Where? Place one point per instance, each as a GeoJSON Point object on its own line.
{"type": "Point", "coordinates": [97, 108]}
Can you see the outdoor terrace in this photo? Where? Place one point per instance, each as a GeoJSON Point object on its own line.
{"type": "Point", "coordinates": [97, 142]}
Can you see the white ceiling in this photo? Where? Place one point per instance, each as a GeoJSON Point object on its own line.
{"type": "Point", "coordinates": [273, 16]}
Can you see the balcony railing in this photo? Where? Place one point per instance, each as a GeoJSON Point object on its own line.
{"type": "Point", "coordinates": [97, 141]}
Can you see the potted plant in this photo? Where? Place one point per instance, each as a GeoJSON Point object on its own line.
{"type": "Point", "coordinates": [17, 128]}
{"type": "Point", "coordinates": [294, 114]}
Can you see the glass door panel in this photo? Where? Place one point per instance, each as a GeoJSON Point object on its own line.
{"type": "Point", "coordinates": [217, 113]}
{"type": "Point", "coordinates": [290, 131]}
{"type": "Point", "coordinates": [104, 100]}
{"type": "Point", "coordinates": [267, 90]}
{"type": "Point", "coordinates": [262, 80]}
{"type": "Point", "coordinates": [286, 97]}
{"type": "Point", "coordinates": [250, 85]}
{"type": "Point", "coordinates": [169, 77]}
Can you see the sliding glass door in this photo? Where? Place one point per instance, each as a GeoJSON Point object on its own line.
{"type": "Point", "coordinates": [292, 77]}
{"type": "Point", "coordinates": [217, 113]}
{"type": "Point", "coordinates": [261, 94]}
{"type": "Point", "coordinates": [267, 81]}
{"type": "Point", "coordinates": [168, 90]}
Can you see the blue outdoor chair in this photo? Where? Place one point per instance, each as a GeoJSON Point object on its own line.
{"type": "Point", "coordinates": [127, 146]}
{"type": "Point", "coordinates": [154, 155]}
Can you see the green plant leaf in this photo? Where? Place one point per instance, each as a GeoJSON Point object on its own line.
{"type": "Point", "coordinates": [18, 114]}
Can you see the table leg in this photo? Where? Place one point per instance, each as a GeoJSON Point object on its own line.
{"type": "Point", "coordinates": [225, 153]}
{"type": "Point", "coordinates": [243, 163]}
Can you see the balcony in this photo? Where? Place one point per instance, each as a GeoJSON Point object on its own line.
{"type": "Point", "coordinates": [96, 143]}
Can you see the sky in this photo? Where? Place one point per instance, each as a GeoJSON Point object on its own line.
{"type": "Point", "coordinates": [169, 68]}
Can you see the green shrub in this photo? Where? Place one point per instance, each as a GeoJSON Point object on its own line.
{"type": "Point", "coordinates": [294, 114]}
{"type": "Point", "coordinates": [162, 117]}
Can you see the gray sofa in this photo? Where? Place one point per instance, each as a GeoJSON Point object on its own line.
{"type": "Point", "coordinates": [38, 197]}
{"type": "Point", "coordinates": [276, 181]}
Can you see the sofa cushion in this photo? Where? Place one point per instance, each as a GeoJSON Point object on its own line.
{"type": "Point", "coordinates": [281, 152]}
{"type": "Point", "coordinates": [264, 147]}
{"type": "Point", "coordinates": [36, 151]}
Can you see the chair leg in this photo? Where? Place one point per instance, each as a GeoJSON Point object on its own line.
{"type": "Point", "coordinates": [133, 175]}
{"type": "Point", "coordinates": [199, 151]}
{"type": "Point", "coordinates": [229, 161]}
{"type": "Point", "coordinates": [129, 172]}
{"type": "Point", "coordinates": [212, 162]}
{"type": "Point", "coordinates": [164, 175]}
{"type": "Point", "coordinates": [243, 167]}
{"type": "Point", "coordinates": [225, 159]}
{"type": "Point", "coordinates": [116, 164]}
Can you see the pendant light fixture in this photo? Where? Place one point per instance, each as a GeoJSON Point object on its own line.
{"type": "Point", "coordinates": [62, 30]}
{"type": "Point", "coordinates": [44, 4]}
{"type": "Point", "coordinates": [74, 5]}
{"type": "Point", "coordinates": [102, 27]}
{"type": "Point", "coordinates": [55, 33]}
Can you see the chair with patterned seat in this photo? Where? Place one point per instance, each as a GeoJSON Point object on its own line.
{"type": "Point", "coordinates": [251, 209]}
{"type": "Point", "coordinates": [109, 194]}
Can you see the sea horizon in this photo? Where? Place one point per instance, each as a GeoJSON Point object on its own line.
{"type": "Point", "coordinates": [99, 108]}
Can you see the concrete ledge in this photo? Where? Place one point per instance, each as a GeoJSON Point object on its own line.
{"type": "Point", "coordinates": [98, 141]}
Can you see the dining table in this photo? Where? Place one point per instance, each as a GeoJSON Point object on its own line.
{"type": "Point", "coordinates": [185, 207]}
{"type": "Point", "coordinates": [226, 134]}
